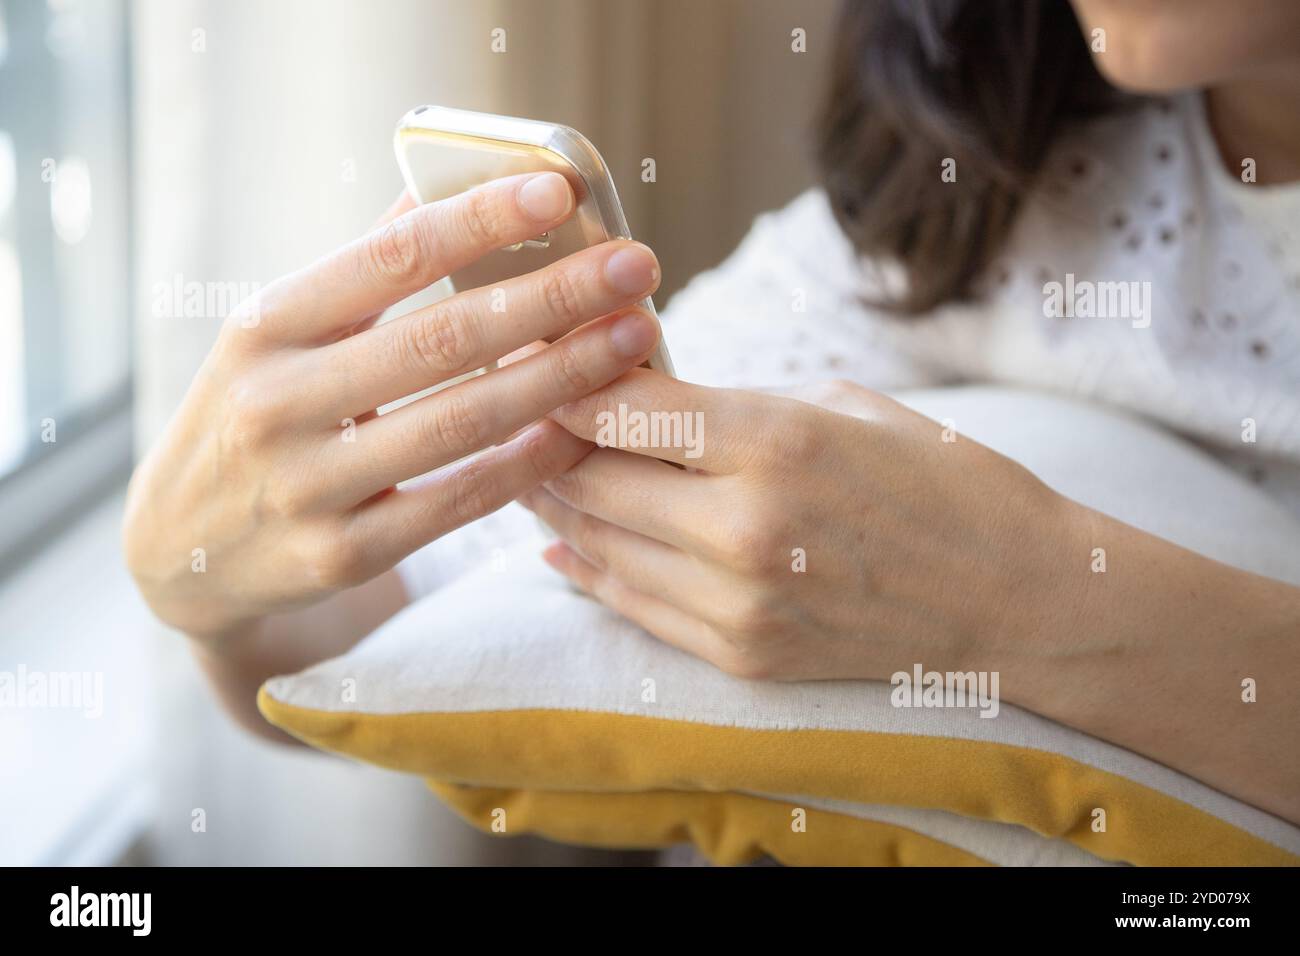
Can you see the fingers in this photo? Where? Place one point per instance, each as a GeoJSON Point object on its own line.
{"type": "Point", "coordinates": [652, 414]}
{"type": "Point", "coordinates": [484, 410]}
{"type": "Point", "coordinates": [390, 528]}
{"type": "Point", "coordinates": [520, 354]}
{"type": "Point", "coordinates": [409, 253]}
{"type": "Point", "coordinates": [641, 563]}
{"type": "Point", "coordinates": [402, 204]}
{"type": "Point", "coordinates": [644, 495]}
{"type": "Point", "coordinates": [669, 624]}
{"type": "Point", "coordinates": [474, 328]}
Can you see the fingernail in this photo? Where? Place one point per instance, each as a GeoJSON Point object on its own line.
{"type": "Point", "coordinates": [554, 554]}
{"type": "Point", "coordinates": [632, 269]}
{"type": "Point", "coordinates": [633, 334]}
{"type": "Point", "coordinates": [546, 197]}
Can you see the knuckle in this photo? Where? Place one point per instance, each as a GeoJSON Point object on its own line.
{"type": "Point", "coordinates": [561, 295]}
{"type": "Point", "coordinates": [334, 562]}
{"type": "Point", "coordinates": [569, 487]}
{"type": "Point", "coordinates": [395, 253]}
{"type": "Point", "coordinates": [828, 392]}
{"type": "Point", "coordinates": [281, 500]}
{"type": "Point", "coordinates": [249, 314]}
{"type": "Point", "coordinates": [756, 542]}
{"type": "Point", "coordinates": [849, 397]}
{"type": "Point", "coordinates": [569, 374]}
{"type": "Point", "coordinates": [539, 451]}
{"type": "Point", "coordinates": [743, 660]}
{"type": "Point", "coordinates": [583, 409]}
{"type": "Point", "coordinates": [471, 493]}
{"type": "Point", "coordinates": [842, 386]}
{"type": "Point", "coordinates": [750, 617]}
{"type": "Point", "coordinates": [481, 218]}
{"type": "Point", "coordinates": [441, 342]}
{"type": "Point", "coordinates": [453, 423]}
{"type": "Point", "coordinates": [248, 416]}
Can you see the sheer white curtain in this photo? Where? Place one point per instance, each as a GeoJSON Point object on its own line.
{"type": "Point", "coordinates": [263, 138]}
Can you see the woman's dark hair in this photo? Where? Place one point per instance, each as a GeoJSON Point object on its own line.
{"type": "Point", "coordinates": [987, 83]}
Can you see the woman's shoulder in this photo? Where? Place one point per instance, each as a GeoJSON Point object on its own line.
{"type": "Point", "coordinates": [788, 306]}
{"type": "Point", "coordinates": [795, 253]}
{"type": "Point", "coordinates": [804, 232]}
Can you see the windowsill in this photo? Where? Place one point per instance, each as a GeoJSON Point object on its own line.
{"type": "Point", "coordinates": [73, 787]}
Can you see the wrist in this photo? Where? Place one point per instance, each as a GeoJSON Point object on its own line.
{"type": "Point", "coordinates": [1032, 619]}
{"type": "Point", "coordinates": [203, 621]}
{"type": "Point", "coordinates": [228, 645]}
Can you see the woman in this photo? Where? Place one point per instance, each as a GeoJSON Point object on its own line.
{"type": "Point", "coordinates": [974, 159]}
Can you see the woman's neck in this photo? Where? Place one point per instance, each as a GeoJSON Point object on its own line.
{"type": "Point", "coordinates": [1258, 117]}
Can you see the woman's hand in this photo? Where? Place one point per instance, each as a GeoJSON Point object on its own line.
{"type": "Point", "coordinates": [844, 536]}
{"type": "Point", "coordinates": [838, 536]}
{"type": "Point", "coordinates": [273, 485]}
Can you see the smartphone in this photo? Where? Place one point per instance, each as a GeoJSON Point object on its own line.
{"type": "Point", "coordinates": [443, 151]}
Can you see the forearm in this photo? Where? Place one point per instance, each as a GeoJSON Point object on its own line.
{"type": "Point", "coordinates": [237, 663]}
{"type": "Point", "coordinates": [1152, 654]}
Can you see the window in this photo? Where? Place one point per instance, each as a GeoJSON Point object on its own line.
{"type": "Point", "coordinates": [64, 258]}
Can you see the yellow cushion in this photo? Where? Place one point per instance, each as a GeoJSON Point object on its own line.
{"type": "Point", "coordinates": [612, 779]}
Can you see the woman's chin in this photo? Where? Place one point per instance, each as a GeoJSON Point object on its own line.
{"type": "Point", "coordinates": [1146, 72]}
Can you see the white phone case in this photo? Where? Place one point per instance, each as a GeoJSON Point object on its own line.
{"type": "Point", "coordinates": [443, 151]}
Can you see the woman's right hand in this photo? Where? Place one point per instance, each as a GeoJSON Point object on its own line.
{"type": "Point", "coordinates": [273, 485]}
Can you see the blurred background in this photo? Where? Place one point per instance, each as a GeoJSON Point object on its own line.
{"type": "Point", "coordinates": [146, 146]}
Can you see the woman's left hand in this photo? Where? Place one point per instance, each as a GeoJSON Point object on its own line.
{"type": "Point", "coordinates": [844, 536]}
{"type": "Point", "coordinates": [835, 534]}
